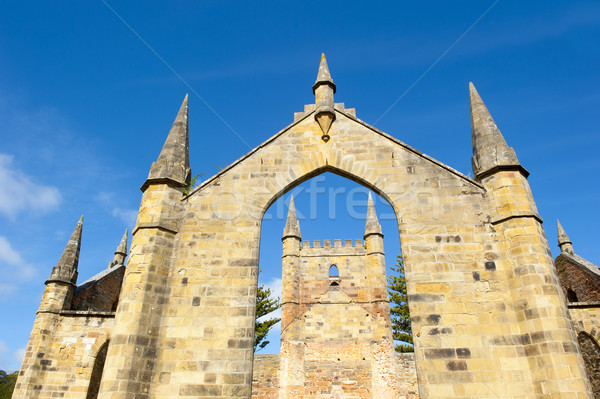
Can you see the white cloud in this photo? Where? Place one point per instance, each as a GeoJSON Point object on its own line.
{"type": "Point", "coordinates": [13, 269]}
{"type": "Point", "coordinates": [128, 216]}
{"type": "Point", "coordinates": [18, 355]}
{"type": "Point", "coordinates": [8, 254]}
{"type": "Point", "coordinates": [10, 362]}
{"type": "Point", "coordinates": [19, 193]}
{"type": "Point", "coordinates": [108, 200]}
{"type": "Point", "coordinates": [5, 363]}
{"type": "Point", "coordinates": [7, 291]}
{"type": "Point", "coordinates": [13, 265]}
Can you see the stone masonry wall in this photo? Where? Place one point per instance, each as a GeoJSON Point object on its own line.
{"type": "Point", "coordinates": [64, 368]}
{"type": "Point", "coordinates": [339, 343]}
{"type": "Point", "coordinates": [586, 318]}
{"type": "Point", "coordinates": [489, 317]}
{"type": "Point", "coordinates": [265, 380]}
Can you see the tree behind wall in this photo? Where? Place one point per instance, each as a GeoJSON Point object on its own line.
{"type": "Point", "coordinates": [7, 384]}
{"type": "Point", "coordinates": [399, 308]}
{"type": "Point", "coordinates": [264, 305]}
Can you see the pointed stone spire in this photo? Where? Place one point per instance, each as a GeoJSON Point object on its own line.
{"type": "Point", "coordinates": [292, 227]}
{"type": "Point", "coordinates": [564, 242]}
{"type": "Point", "coordinates": [66, 268]}
{"type": "Point", "coordinates": [372, 225]}
{"type": "Point", "coordinates": [323, 75]}
{"type": "Point", "coordinates": [173, 163]}
{"type": "Point", "coordinates": [324, 89]}
{"type": "Point", "coordinates": [121, 252]}
{"type": "Point", "coordinates": [490, 150]}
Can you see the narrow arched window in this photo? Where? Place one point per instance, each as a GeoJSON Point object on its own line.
{"type": "Point", "coordinates": [334, 275]}
{"type": "Point", "coordinates": [572, 296]}
{"type": "Point", "coordinates": [333, 271]}
{"type": "Point", "coordinates": [96, 376]}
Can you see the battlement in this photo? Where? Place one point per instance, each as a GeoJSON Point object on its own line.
{"type": "Point", "coordinates": [336, 243]}
{"type": "Point", "coordinates": [339, 247]}
{"type": "Point", "coordinates": [308, 108]}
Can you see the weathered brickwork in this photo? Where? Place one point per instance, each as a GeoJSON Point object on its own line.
{"type": "Point", "coordinates": [336, 338]}
{"type": "Point", "coordinates": [101, 293]}
{"type": "Point", "coordinates": [60, 356]}
{"type": "Point", "coordinates": [580, 283]}
{"type": "Point", "coordinates": [489, 316]}
{"type": "Point", "coordinates": [586, 319]}
{"type": "Point", "coordinates": [265, 379]}
{"type": "Point", "coordinates": [591, 355]}
{"type": "Point", "coordinates": [579, 280]}
{"type": "Point", "coordinates": [67, 346]}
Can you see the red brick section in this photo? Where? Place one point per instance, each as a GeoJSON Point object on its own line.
{"type": "Point", "coordinates": [577, 278]}
{"type": "Point", "coordinates": [100, 295]}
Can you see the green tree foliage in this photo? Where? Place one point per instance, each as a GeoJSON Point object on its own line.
{"type": "Point", "coordinates": [399, 308]}
{"type": "Point", "coordinates": [7, 384]}
{"type": "Point", "coordinates": [264, 305]}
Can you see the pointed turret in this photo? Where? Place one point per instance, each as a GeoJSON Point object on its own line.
{"type": "Point", "coordinates": [173, 163]}
{"type": "Point", "coordinates": [324, 89]}
{"type": "Point", "coordinates": [66, 268]}
{"type": "Point", "coordinates": [121, 252]}
{"type": "Point", "coordinates": [490, 150]}
{"type": "Point", "coordinates": [292, 227]}
{"type": "Point", "coordinates": [323, 75]}
{"type": "Point", "coordinates": [564, 242]}
{"type": "Point", "coordinates": [372, 225]}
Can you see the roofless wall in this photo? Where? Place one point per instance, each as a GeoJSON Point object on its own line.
{"type": "Point", "coordinates": [489, 318]}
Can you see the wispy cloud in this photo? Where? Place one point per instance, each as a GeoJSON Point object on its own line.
{"type": "Point", "coordinates": [128, 216]}
{"type": "Point", "coordinates": [12, 265]}
{"type": "Point", "coordinates": [10, 360]}
{"type": "Point", "coordinates": [19, 193]}
{"type": "Point", "coordinates": [14, 270]}
{"type": "Point", "coordinates": [109, 201]}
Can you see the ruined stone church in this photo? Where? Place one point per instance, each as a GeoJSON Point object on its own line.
{"type": "Point", "coordinates": [493, 316]}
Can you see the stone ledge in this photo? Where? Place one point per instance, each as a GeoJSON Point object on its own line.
{"type": "Point", "coordinates": [155, 225]}
{"type": "Point", "coordinates": [86, 313]}
{"type": "Point", "coordinates": [595, 304]}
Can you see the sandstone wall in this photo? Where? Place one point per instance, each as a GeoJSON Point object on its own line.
{"type": "Point", "coordinates": [58, 363]}
{"type": "Point", "coordinates": [265, 380]}
{"type": "Point", "coordinates": [489, 317]}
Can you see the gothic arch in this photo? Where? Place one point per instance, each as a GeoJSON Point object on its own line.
{"type": "Point", "coordinates": [97, 370]}
{"type": "Point", "coordinates": [590, 350]}
{"type": "Point", "coordinates": [192, 274]}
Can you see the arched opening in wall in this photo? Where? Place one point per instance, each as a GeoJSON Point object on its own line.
{"type": "Point", "coordinates": [572, 296]}
{"type": "Point", "coordinates": [331, 212]}
{"type": "Point", "coordinates": [96, 376]}
{"type": "Point", "coordinates": [590, 350]}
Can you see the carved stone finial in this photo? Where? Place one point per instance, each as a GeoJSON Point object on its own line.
{"type": "Point", "coordinates": [121, 252]}
{"type": "Point", "coordinates": [66, 268]}
{"type": "Point", "coordinates": [173, 163]}
{"type": "Point", "coordinates": [372, 225]}
{"type": "Point", "coordinates": [564, 242]}
{"type": "Point", "coordinates": [324, 89]}
{"type": "Point", "coordinates": [490, 150]}
{"type": "Point", "coordinates": [292, 227]}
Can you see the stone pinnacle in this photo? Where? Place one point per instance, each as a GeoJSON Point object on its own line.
{"type": "Point", "coordinates": [490, 150]}
{"type": "Point", "coordinates": [66, 268]}
{"type": "Point", "coordinates": [564, 242]}
{"type": "Point", "coordinates": [372, 225]}
{"type": "Point", "coordinates": [292, 227]}
{"type": "Point", "coordinates": [121, 252]}
{"type": "Point", "coordinates": [173, 163]}
{"type": "Point", "coordinates": [323, 75]}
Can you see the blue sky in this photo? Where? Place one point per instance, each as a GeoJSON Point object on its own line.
{"type": "Point", "coordinates": [85, 107]}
